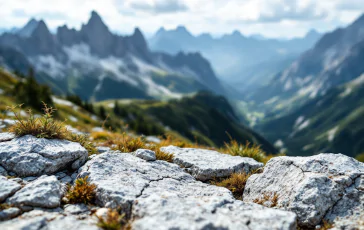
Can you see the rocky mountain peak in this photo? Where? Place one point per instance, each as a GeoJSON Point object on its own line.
{"type": "Point", "coordinates": [41, 30]}
{"type": "Point", "coordinates": [28, 29]}
{"type": "Point", "coordinates": [95, 25]}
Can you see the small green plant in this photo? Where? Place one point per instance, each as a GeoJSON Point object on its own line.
{"type": "Point", "coordinates": [113, 221]}
{"type": "Point", "coordinates": [235, 183]}
{"type": "Point", "coordinates": [47, 127]}
{"type": "Point", "coordinates": [248, 150]}
{"type": "Point", "coordinates": [82, 192]}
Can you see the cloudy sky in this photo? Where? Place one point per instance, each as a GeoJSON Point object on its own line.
{"type": "Point", "coordinates": [272, 18]}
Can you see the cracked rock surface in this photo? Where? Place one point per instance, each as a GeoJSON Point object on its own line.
{"type": "Point", "coordinates": [207, 164]}
{"type": "Point", "coordinates": [160, 195]}
{"type": "Point", "coordinates": [41, 220]}
{"type": "Point", "coordinates": [325, 186]}
{"type": "Point", "coordinates": [44, 192]}
{"type": "Point", "coordinates": [6, 137]}
{"type": "Point", "coordinates": [7, 188]}
{"type": "Point", "coordinates": [31, 156]}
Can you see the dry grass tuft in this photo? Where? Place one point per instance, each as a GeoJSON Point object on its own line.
{"type": "Point", "coordinates": [326, 225]}
{"type": "Point", "coordinates": [235, 183]}
{"type": "Point", "coordinates": [41, 127]}
{"type": "Point", "coordinates": [235, 148]}
{"type": "Point", "coordinates": [46, 127]}
{"type": "Point", "coordinates": [113, 221]}
{"type": "Point", "coordinates": [267, 197]}
{"type": "Point", "coordinates": [4, 206]}
{"type": "Point", "coordinates": [129, 144]}
{"type": "Point", "coordinates": [160, 155]}
{"type": "Point", "coordinates": [81, 192]}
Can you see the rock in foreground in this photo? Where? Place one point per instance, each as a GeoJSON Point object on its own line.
{"type": "Point", "coordinates": [31, 156]}
{"type": "Point", "coordinates": [45, 192]}
{"type": "Point", "coordinates": [160, 195]}
{"type": "Point", "coordinates": [325, 186]}
{"type": "Point", "coordinates": [207, 164]}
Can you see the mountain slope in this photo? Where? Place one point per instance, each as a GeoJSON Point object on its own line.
{"type": "Point", "coordinates": [333, 122]}
{"type": "Point", "coordinates": [245, 61]}
{"type": "Point", "coordinates": [204, 117]}
{"type": "Point", "coordinates": [335, 59]}
{"type": "Point", "coordinates": [97, 64]}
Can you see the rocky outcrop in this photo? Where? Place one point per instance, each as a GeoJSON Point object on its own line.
{"type": "Point", "coordinates": [45, 192]}
{"type": "Point", "coordinates": [207, 164]}
{"type": "Point", "coordinates": [31, 156]}
{"type": "Point", "coordinates": [145, 154]}
{"type": "Point", "coordinates": [7, 188]}
{"type": "Point", "coordinates": [322, 187]}
{"type": "Point", "coordinates": [157, 191]}
{"type": "Point", "coordinates": [6, 137]}
{"type": "Point", "coordinates": [150, 192]}
{"type": "Point", "coordinates": [39, 219]}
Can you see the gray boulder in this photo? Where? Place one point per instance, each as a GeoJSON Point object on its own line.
{"type": "Point", "coordinates": [3, 172]}
{"type": "Point", "coordinates": [159, 192]}
{"type": "Point", "coordinates": [9, 213]}
{"type": "Point", "coordinates": [207, 164]}
{"type": "Point", "coordinates": [44, 192]}
{"type": "Point", "coordinates": [31, 156]}
{"type": "Point", "coordinates": [38, 219]}
{"type": "Point", "coordinates": [145, 154]}
{"type": "Point", "coordinates": [325, 186]}
{"type": "Point", "coordinates": [120, 177]}
{"type": "Point", "coordinates": [201, 206]}
{"type": "Point", "coordinates": [7, 188]}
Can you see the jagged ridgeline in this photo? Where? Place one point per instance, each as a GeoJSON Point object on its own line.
{"type": "Point", "coordinates": [96, 64]}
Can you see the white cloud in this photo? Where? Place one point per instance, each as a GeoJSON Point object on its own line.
{"type": "Point", "coordinates": [269, 17]}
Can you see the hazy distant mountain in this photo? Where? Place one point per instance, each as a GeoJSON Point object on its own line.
{"type": "Point", "coordinates": [243, 61]}
{"type": "Point", "coordinates": [97, 64]}
{"type": "Point", "coordinates": [333, 122]}
{"type": "Point", "coordinates": [28, 29]}
{"type": "Point", "coordinates": [337, 58]}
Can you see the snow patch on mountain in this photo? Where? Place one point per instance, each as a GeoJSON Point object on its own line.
{"type": "Point", "coordinates": [49, 64]}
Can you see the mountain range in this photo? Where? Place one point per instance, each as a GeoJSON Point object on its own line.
{"type": "Point", "coordinates": [334, 60]}
{"type": "Point", "coordinates": [316, 105]}
{"type": "Point", "coordinates": [97, 64]}
{"type": "Point", "coordinates": [245, 62]}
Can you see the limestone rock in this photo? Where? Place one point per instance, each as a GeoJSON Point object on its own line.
{"type": "Point", "coordinates": [6, 137]}
{"type": "Point", "coordinates": [44, 192]}
{"type": "Point", "coordinates": [7, 188]}
{"type": "Point", "coordinates": [31, 156]}
{"type": "Point", "coordinates": [207, 164]}
{"type": "Point", "coordinates": [9, 213]}
{"type": "Point", "coordinates": [325, 186]}
{"type": "Point", "coordinates": [145, 154]}
{"type": "Point", "coordinates": [102, 149]}
{"type": "Point", "coordinates": [3, 172]}
{"type": "Point", "coordinates": [159, 192]}
{"type": "Point", "coordinates": [120, 177]}
{"type": "Point", "coordinates": [76, 208]}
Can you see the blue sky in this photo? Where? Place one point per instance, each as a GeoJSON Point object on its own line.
{"type": "Point", "coordinates": [272, 18]}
